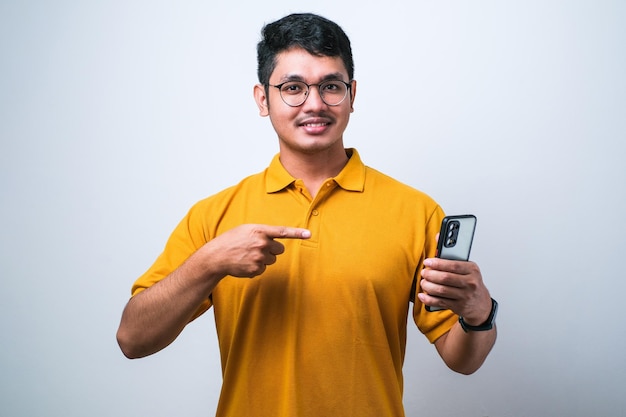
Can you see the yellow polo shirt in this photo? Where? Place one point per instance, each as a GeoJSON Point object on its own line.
{"type": "Point", "coordinates": [322, 332]}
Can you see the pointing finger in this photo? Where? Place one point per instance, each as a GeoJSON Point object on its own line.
{"type": "Point", "coordinates": [284, 232]}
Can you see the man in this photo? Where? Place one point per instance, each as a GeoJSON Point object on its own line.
{"type": "Point", "coordinates": [312, 265]}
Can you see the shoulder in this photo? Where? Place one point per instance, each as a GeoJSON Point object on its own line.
{"type": "Point", "coordinates": [398, 200]}
{"type": "Point", "coordinates": [379, 182]}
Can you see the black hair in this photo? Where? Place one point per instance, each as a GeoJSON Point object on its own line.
{"type": "Point", "coordinates": [315, 34]}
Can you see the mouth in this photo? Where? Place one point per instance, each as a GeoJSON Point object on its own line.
{"type": "Point", "coordinates": [315, 125]}
{"type": "Point", "coordinates": [315, 121]}
{"type": "Point", "coordinates": [315, 129]}
{"type": "Point", "coordinates": [319, 124]}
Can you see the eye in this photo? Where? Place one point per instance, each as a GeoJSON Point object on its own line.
{"type": "Point", "coordinates": [293, 88]}
{"type": "Point", "coordinates": [333, 87]}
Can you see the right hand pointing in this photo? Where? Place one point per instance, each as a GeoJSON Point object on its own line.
{"type": "Point", "coordinates": [246, 250]}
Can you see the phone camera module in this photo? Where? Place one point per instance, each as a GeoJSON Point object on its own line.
{"type": "Point", "coordinates": [452, 234]}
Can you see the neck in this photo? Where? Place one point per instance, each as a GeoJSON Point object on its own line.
{"type": "Point", "coordinates": [313, 169]}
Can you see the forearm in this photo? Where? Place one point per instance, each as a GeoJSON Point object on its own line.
{"type": "Point", "coordinates": [153, 318]}
{"type": "Point", "coordinates": [465, 352]}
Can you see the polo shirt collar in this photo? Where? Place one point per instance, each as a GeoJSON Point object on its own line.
{"type": "Point", "coordinates": [351, 177]}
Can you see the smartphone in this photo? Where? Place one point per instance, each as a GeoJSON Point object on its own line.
{"type": "Point", "coordinates": [455, 240]}
{"type": "Point", "coordinates": [456, 236]}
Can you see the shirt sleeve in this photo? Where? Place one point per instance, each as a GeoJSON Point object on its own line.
{"type": "Point", "coordinates": [188, 236]}
{"type": "Point", "coordinates": [432, 324]}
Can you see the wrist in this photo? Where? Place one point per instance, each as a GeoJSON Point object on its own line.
{"type": "Point", "coordinates": [483, 326]}
{"type": "Point", "coordinates": [479, 315]}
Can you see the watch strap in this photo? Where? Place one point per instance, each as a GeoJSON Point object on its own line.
{"type": "Point", "coordinates": [487, 325]}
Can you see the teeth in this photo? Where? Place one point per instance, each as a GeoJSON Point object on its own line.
{"type": "Point", "coordinates": [315, 124]}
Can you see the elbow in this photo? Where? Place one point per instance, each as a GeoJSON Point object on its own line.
{"type": "Point", "coordinates": [136, 345]}
{"type": "Point", "coordinates": [465, 365]}
{"type": "Point", "coordinates": [125, 342]}
{"type": "Point", "coordinates": [465, 370]}
{"type": "Point", "coordinates": [468, 363]}
{"type": "Point", "coordinates": [125, 347]}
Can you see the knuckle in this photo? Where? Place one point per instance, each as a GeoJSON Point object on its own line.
{"type": "Point", "coordinates": [257, 270]}
{"type": "Point", "coordinates": [446, 277]}
{"type": "Point", "coordinates": [257, 258]}
{"type": "Point", "coordinates": [256, 230]}
{"type": "Point", "coordinates": [474, 268]}
{"type": "Point", "coordinates": [457, 267]}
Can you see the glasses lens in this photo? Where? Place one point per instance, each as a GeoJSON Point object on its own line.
{"type": "Point", "coordinates": [294, 92]}
{"type": "Point", "coordinates": [333, 92]}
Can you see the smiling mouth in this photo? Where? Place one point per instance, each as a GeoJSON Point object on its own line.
{"type": "Point", "coordinates": [315, 124]}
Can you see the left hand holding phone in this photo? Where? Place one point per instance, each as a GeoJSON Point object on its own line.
{"type": "Point", "coordinates": [455, 285]}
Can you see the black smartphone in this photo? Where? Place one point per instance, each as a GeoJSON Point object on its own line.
{"type": "Point", "coordinates": [455, 240]}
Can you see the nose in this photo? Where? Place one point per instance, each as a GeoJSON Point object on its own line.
{"type": "Point", "coordinates": [314, 98]}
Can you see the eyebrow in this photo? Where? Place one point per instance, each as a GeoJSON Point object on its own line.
{"type": "Point", "coordinates": [327, 77]}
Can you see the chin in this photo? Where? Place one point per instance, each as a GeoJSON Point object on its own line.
{"type": "Point", "coordinates": [314, 146]}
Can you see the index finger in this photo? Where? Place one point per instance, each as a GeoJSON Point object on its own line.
{"type": "Point", "coordinates": [447, 265]}
{"type": "Point", "coordinates": [285, 232]}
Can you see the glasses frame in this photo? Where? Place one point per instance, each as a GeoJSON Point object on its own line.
{"type": "Point", "coordinates": [308, 89]}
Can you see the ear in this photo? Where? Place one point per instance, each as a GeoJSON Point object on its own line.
{"type": "Point", "coordinates": [261, 100]}
{"type": "Point", "coordinates": [352, 95]}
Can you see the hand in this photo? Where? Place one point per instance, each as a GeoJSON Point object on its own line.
{"type": "Point", "coordinates": [457, 285]}
{"type": "Point", "coordinates": [246, 250]}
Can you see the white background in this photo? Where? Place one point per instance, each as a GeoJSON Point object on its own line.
{"type": "Point", "coordinates": [116, 116]}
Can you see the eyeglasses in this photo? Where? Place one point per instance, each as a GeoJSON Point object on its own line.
{"type": "Point", "coordinates": [295, 93]}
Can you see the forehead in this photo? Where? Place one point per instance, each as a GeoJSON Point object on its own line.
{"type": "Point", "coordinates": [298, 63]}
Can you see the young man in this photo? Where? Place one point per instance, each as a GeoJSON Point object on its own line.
{"type": "Point", "coordinates": [312, 265]}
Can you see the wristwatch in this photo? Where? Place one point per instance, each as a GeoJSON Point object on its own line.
{"type": "Point", "coordinates": [487, 325]}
